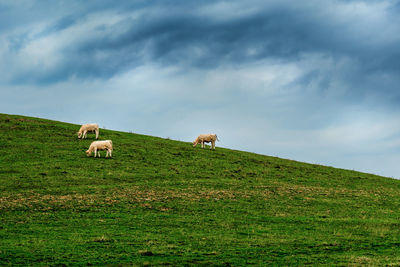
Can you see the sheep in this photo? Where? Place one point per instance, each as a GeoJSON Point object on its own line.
{"type": "Point", "coordinates": [206, 138]}
{"type": "Point", "coordinates": [100, 145]}
{"type": "Point", "coordinates": [93, 127]}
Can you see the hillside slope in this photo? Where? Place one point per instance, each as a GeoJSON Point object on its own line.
{"type": "Point", "coordinates": [163, 202]}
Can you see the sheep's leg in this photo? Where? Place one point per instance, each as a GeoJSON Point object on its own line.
{"type": "Point", "coordinates": [107, 153]}
{"type": "Point", "coordinates": [97, 134]}
{"type": "Point", "coordinates": [98, 153]}
{"type": "Point", "coordinates": [110, 153]}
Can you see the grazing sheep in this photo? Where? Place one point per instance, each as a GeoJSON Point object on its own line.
{"type": "Point", "coordinates": [206, 138]}
{"type": "Point", "coordinates": [100, 145]}
{"type": "Point", "coordinates": [93, 127]}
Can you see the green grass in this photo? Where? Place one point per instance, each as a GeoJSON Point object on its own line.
{"type": "Point", "coordinates": [163, 202]}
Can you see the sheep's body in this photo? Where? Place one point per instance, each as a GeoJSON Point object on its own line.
{"type": "Point", "coordinates": [92, 127]}
{"type": "Point", "coordinates": [206, 138]}
{"type": "Point", "coordinates": [96, 146]}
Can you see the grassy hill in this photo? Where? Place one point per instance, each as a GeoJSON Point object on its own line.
{"type": "Point", "coordinates": [163, 202]}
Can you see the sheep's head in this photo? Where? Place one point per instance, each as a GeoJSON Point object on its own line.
{"type": "Point", "coordinates": [194, 143]}
{"type": "Point", "coordinates": [79, 134]}
{"type": "Point", "coordinates": [88, 153]}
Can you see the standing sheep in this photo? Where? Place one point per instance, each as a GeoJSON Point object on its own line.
{"type": "Point", "coordinates": [206, 138]}
{"type": "Point", "coordinates": [100, 145]}
{"type": "Point", "coordinates": [92, 127]}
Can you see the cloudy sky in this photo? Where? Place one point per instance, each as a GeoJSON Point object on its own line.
{"type": "Point", "coordinates": [314, 81]}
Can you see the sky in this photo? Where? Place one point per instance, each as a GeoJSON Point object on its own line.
{"type": "Point", "coordinates": [313, 81]}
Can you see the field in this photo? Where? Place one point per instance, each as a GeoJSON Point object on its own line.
{"type": "Point", "coordinates": [163, 202]}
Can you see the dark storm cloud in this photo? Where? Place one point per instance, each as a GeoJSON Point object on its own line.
{"type": "Point", "coordinates": [202, 41]}
{"type": "Point", "coordinates": [187, 35]}
{"type": "Point", "coordinates": [175, 33]}
{"type": "Point", "coordinates": [204, 35]}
